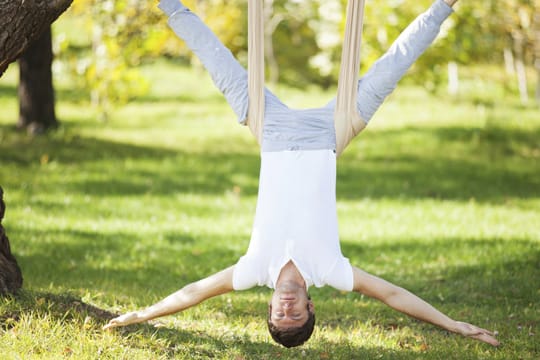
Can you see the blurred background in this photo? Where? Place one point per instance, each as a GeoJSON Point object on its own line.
{"type": "Point", "coordinates": [98, 45]}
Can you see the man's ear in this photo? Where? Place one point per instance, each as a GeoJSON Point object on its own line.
{"type": "Point", "coordinates": [311, 306]}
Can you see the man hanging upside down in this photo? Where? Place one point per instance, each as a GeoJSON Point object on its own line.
{"type": "Point", "coordinates": [294, 242]}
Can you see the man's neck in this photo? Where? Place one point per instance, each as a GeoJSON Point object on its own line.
{"type": "Point", "coordinates": [290, 273]}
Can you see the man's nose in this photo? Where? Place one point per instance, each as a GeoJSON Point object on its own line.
{"type": "Point", "coordinates": [287, 305]}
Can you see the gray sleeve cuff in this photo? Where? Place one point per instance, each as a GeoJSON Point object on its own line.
{"type": "Point", "coordinates": [441, 10]}
{"type": "Point", "coordinates": [169, 7]}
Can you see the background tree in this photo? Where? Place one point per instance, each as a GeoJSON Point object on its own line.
{"type": "Point", "coordinates": [23, 21]}
{"type": "Point", "coordinates": [36, 91]}
{"type": "Point", "coordinates": [536, 36]}
{"type": "Point", "coordinates": [10, 273]}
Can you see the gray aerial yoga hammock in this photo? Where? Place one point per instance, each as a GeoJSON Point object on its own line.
{"type": "Point", "coordinates": [347, 121]}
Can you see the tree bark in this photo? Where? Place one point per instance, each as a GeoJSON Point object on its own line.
{"type": "Point", "coordinates": [10, 273]}
{"type": "Point", "coordinates": [23, 21]}
{"type": "Point", "coordinates": [36, 91]}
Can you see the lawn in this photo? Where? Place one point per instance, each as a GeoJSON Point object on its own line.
{"type": "Point", "coordinates": [439, 195]}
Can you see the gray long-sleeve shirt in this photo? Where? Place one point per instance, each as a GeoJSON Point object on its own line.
{"type": "Point", "coordinates": [304, 129]}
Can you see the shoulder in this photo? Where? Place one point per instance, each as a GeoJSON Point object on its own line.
{"type": "Point", "coordinates": [341, 275]}
{"type": "Point", "coordinates": [248, 272]}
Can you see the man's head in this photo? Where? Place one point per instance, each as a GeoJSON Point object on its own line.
{"type": "Point", "coordinates": [291, 316]}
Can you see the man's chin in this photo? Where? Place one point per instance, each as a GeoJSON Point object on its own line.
{"type": "Point", "coordinates": [289, 287]}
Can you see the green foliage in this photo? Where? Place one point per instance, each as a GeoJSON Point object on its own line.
{"type": "Point", "coordinates": [119, 36]}
{"type": "Point", "coordinates": [438, 195]}
{"type": "Point", "coordinates": [114, 36]}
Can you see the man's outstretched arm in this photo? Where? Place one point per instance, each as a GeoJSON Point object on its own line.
{"type": "Point", "coordinates": [410, 304]}
{"type": "Point", "coordinates": [190, 295]}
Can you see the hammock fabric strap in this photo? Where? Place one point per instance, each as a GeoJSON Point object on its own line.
{"type": "Point", "coordinates": [347, 121]}
{"type": "Point", "coordinates": [255, 115]}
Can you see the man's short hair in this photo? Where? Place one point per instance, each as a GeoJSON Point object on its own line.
{"type": "Point", "coordinates": [294, 336]}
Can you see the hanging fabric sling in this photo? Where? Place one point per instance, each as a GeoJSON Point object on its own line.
{"type": "Point", "coordinates": [347, 121]}
{"type": "Point", "coordinates": [255, 68]}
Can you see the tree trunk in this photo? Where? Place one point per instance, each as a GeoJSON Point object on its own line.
{"type": "Point", "coordinates": [519, 47]}
{"type": "Point", "coordinates": [36, 91]}
{"type": "Point", "coordinates": [509, 61]}
{"type": "Point", "coordinates": [10, 273]}
{"type": "Point", "coordinates": [271, 22]}
{"type": "Point", "coordinates": [453, 78]}
{"type": "Point", "coordinates": [21, 22]}
{"type": "Point", "coordinates": [536, 46]}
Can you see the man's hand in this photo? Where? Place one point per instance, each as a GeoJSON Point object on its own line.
{"type": "Point", "coordinates": [475, 332]}
{"type": "Point", "coordinates": [123, 320]}
{"type": "Point", "coordinates": [188, 296]}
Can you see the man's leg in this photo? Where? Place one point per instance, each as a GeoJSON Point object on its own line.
{"type": "Point", "coordinates": [383, 76]}
{"type": "Point", "coordinates": [228, 75]}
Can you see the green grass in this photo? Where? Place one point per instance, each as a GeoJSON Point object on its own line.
{"type": "Point", "coordinates": [441, 196]}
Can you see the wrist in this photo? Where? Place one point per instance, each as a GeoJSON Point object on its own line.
{"type": "Point", "coordinates": [169, 7]}
{"type": "Point", "coordinates": [453, 326]}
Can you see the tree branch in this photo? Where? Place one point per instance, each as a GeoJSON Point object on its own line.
{"type": "Point", "coordinates": [23, 21]}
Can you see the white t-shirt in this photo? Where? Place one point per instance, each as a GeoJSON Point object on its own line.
{"type": "Point", "coordinates": [295, 220]}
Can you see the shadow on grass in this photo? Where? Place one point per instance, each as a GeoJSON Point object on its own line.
{"type": "Point", "coordinates": [124, 262]}
{"type": "Point", "coordinates": [198, 345]}
{"type": "Point", "coordinates": [501, 165]}
{"type": "Point", "coordinates": [63, 306]}
{"type": "Point", "coordinates": [496, 284]}
{"type": "Point", "coordinates": [501, 271]}
{"type": "Point", "coordinates": [208, 173]}
{"type": "Point", "coordinates": [172, 342]}
{"type": "Point", "coordinates": [493, 164]}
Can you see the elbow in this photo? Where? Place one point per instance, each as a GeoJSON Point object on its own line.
{"type": "Point", "coordinates": [191, 295]}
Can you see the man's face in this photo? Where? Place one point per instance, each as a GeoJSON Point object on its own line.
{"type": "Point", "coordinates": [290, 305]}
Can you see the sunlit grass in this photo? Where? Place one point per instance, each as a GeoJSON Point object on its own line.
{"type": "Point", "coordinates": [440, 195]}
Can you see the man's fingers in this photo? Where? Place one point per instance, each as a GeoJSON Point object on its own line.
{"type": "Point", "coordinates": [487, 339]}
{"type": "Point", "coordinates": [123, 320]}
{"type": "Point", "coordinates": [483, 335]}
{"type": "Point", "coordinates": [478, 333]}
{"type": "Point", "coordinates": [485, 331]}
{"type": "Point", "coordinates": [110, 325]}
